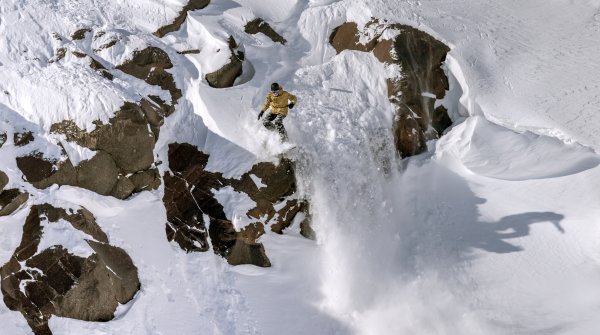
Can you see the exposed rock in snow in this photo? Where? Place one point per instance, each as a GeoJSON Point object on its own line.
{"type": "Point", "coordinates": [53, 281]}
{"type": "Point", "coordinates": [259, 25]}
{"type": "Point", "coordinates": [150, 65]}
{"type": "Point", "coordinates": [22, 139]}
{"type": "Point", "coordinates": [3, 180]}
{"type": "Point", "coordinates": [10, 199]}
{"type": "Point", "coordinates": [228, 73]}
{"type": "Point", "coordinates": [180, 19]}
{"type": "Point", "coordinates": [2, 139]}
{"type": "Point", "coordinates": [190, 202]}
{"type": "Point", "coordinates": [420, 84]}
{"type": "Point", "coordinates": [80, 33]}
{"type": "Point", "coordinates": [124, 154]}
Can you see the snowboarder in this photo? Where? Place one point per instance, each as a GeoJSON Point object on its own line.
{"type": "Point", "coordinates": [279, 101]}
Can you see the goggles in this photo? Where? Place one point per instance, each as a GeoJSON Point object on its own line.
{"type": "Point", "coordinates": [275, 92]}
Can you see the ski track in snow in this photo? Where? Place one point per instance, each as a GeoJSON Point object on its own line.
{"type": "Point", "coordinates": [470, 238]}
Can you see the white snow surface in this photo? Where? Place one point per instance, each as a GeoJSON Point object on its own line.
{"type": "Point", "coordinates": [493, 231]}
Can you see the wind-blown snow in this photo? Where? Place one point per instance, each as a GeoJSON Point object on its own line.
{"type": "Point", "coordinates": [494, 231]}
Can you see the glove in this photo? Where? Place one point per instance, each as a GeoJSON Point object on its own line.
{"type": "Point", "coordinates": [291, 105]}
{"type": "Point", "coordinates": [260, 114]}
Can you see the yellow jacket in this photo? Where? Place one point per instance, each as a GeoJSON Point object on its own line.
{"type": "Point", "coordinates": [279, 103]}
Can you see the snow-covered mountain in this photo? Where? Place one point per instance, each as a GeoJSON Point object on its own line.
{"type": "Point", "coordinates": [441, 178]}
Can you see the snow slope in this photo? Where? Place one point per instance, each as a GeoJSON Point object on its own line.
{"type": "Point", "coordinates": [493, 231]}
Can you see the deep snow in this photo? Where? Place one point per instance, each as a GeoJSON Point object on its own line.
{"type": "Point", "coordinates": [493, 231]}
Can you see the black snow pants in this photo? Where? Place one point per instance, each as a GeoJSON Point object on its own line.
{"type": "Point", "coordinates": [275, 121]}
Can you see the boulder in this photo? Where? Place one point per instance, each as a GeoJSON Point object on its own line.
{"type": "Point", "coordinates": [42, 283]}
{"type": "Point", "coordinates": [228, 73]}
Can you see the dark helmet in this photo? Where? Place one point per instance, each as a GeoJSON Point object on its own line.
{"type": "Point", "coordinates": [275, 87]}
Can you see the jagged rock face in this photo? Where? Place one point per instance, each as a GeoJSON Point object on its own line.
{"type": "Point", "coordinates": [421, 84]}
{"type": "Point", "coordinates": [42, 283]}
{"type": "Point", "coordinates": [259, 25]}
{"type": "Point", "coordinates": [192, 5]}
{"type": "Point", "coordinates": [10, 199]}
{"type": "Point", "coordinates": [226, 75]}
{"type": "Point", "coordinates": [191, 205]}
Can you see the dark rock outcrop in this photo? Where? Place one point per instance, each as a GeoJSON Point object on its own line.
{"type": "Point", "coordinates": [191, 205]}
{"type": "Point", "coordinates": [2, 139]}
{"type": "Point", "coordinates": [124, 158]}
{"type": "Point", "coordinates": [80, 33]}
{"type": "Point", "coordinates": [415, 92]}
{"type": "Point", "coordinates": [226, 75]}
{"type": "Point", "coordinates": [149, 65]}
{"type": "Point", "coordinates": [180, 19]}
{"type": "Point", "coordinates": [22, 139]}
{"type": "Point", "coordinates": [42, 283]}
{"type": "Point", "coordinates": [96, 65]}
{"type": "Point", "coordinates": [259, 25]}
{"type": "Point", "coordinates": [10, 199]}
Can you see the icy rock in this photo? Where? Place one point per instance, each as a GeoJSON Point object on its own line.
{"type": "Point", "coordinates": [53, 281]}
{"type": "Point", "coordinates": [422, 80]}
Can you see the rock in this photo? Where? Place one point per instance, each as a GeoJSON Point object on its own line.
{"type": "Point", "coordinates": [149, 65]}
{"type": "Point", "coordinates": [188, 52]}
{"type": "Point", "coordinates": [11, 200]}
{"type": "Point", "coordinates": [124, 147]}
{"type": "Point", "coordinates": [236, 250]}
{"type": "Point", "coordinates": [56, 282]}
{"type": "Point", "coordinates": [108, 279]}
{"type": "Point", "coordinates": [188, 197]}
{"type": "Point", "coordinates": [3, 180]}
{"type": "Point", "coordinates": [2, 139]}
{"type": "Point", "coordinates": [99, 174]}
{"type": "Point", "coordinates": [226, 75]}
{"type": "Point", "coordinates": [190, 203]}
{"type": "Point", "coordinates": [22, 139]}
{"type": "Point", "coordinates": [176, 24]}
{"type": "Point", "coordinates": [35, 168]}
{"type": "Point", "coordinates": [258, 25]}
{"type": "Point", "coordinates": [96, 65]}
{"type": "Point", "coordinates": [420, 58]}
{"type": "Point", "coordinates": [145, 180]}
{"type": "Point", "coordinates": [80, 34]}
{"type": "Point", "coordinates": [127, 139]}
